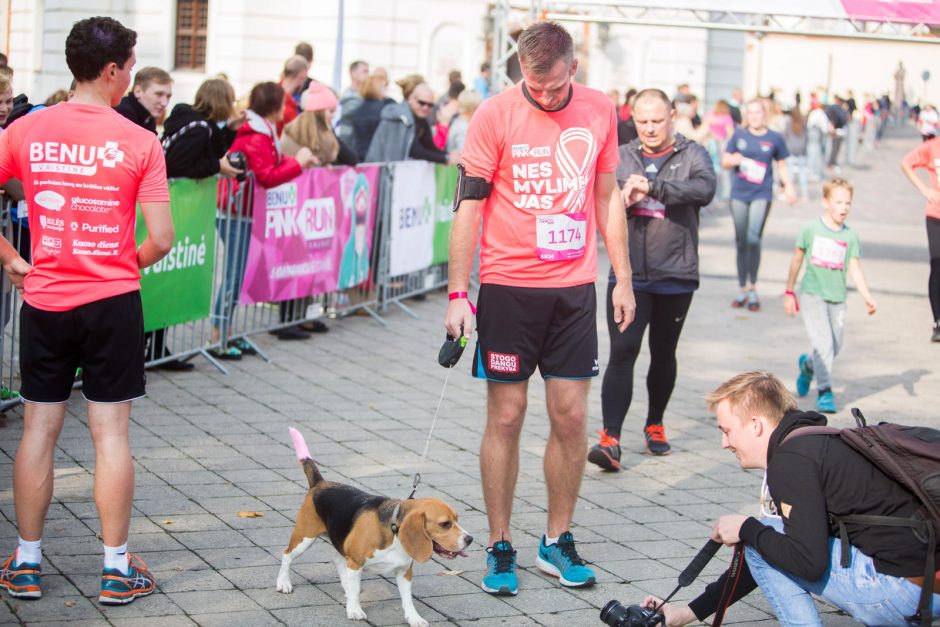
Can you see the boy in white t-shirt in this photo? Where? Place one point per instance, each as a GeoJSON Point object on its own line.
{"type": "Point", "coordinates": [831, 250]}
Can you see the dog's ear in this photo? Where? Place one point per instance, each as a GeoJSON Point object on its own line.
{"type": "Point", "coordinates": [414, 537]}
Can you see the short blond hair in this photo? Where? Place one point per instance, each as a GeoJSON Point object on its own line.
{"type": "Point", "coordinates": [754, 394]}
{"type": "Point", "coordinates": [468, 101]}
{"type": "Point", "coordinates": [833, 184]}
{"type": "Point", "coordinates": [148, 75]}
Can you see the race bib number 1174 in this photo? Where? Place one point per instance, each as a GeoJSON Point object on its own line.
{"type": "Point", "coordinates": [560, 237]}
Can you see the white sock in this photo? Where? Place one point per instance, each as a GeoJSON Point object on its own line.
{"type": "Point", "coordinates": [116, 557]}
{"type": "Point", "coordinates": [30, 552]}
{"type": "Point", "coordinates": [551, 541]}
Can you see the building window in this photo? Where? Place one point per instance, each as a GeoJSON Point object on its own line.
{"type": "Point", "coordinates": [192, 21]}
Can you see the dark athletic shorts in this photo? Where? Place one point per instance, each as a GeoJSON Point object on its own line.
{"type": "Point", "coordinates": [519, 328]}
{"type": "Point", "coordinates": [105, 338]}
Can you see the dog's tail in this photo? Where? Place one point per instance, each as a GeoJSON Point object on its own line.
{"type": "Point", "coordinates": [303, 454]}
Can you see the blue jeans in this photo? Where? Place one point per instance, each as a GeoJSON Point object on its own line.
{"type": "Point", "coordinates": [749, 219]}
{"type": "Point", "coordinates": [869, 596]}
{"type": "Point", "coordinates": [235, 234]}
{"type": "Point", "coordinates": [799, 173]}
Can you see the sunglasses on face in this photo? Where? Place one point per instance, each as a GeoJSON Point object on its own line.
{"type": "Point", "coordinates": [425, 103]}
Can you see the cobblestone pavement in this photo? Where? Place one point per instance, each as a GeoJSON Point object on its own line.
{"type": "Point", "coordinates": [208, 447]}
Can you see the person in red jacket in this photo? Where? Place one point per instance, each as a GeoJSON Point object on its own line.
{"type": "Point", "coordinates": [257, 138]}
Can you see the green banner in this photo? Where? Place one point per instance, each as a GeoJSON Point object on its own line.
{"type": "Point", "coordinates": [446, 185]}
{"type": "Point", "coordinates": [178, 288]}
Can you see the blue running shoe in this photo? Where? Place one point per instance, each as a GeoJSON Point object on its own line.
{"type": "Point", "coordinates": [826, 402]}
{"type": "Point", "coordinates": [20, 581]}
{"type": "Point", "coordinates": [561, 560]}
{"type": "Point", "coordinates": [500, 577]}
{"type": "Point", "coordinates": [119, 588]}
{"type": "Point", "coordinates": [805, 377]}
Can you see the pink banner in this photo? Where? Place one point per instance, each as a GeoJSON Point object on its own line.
{"type": "Point", "coordinates": [900, 11]}
{"type": "Point", "coordinates": [311, 235]}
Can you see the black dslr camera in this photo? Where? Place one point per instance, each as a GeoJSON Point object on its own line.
{"type": "Point", "coordinates": [239, 161]}
{"type": "Point", "coordinates": [616, 615]}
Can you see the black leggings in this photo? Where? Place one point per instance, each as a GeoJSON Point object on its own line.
{"type": "Point", "coordinates": [665, 315]}
{"type": "Point", "coordinates": [933, 285]}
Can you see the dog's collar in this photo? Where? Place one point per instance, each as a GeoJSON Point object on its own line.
{"type": "Point", "coordinates": [395, 518]}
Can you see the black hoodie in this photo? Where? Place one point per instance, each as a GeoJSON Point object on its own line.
{"type": "Point", "coordinates": [195, 152]}
{"type": "Point", "coordinates": [131, 109]}
{"type": "Point", "coordinates": [809, 477]}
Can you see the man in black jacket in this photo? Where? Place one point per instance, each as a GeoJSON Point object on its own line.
{"type": "Point", "coordinates": [838, 123]}
{"type": "Point", "coordinates": [144, 106]}
{"type": "Point", "coordinates": [797, 553]}
{"type": "Point", "coordinates": [665, 180]}
{"type": "Point", "coordinates": [148, 100]}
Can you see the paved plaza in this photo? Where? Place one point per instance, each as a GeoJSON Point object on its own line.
{"type": "Point", "coordinates": [209, 447]}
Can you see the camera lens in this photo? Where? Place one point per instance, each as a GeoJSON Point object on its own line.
{"type": "Point", "coordinates": [614, 614]}
{"type": "Point", "coordinates": [238, 160]}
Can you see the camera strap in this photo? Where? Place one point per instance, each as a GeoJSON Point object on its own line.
{"type": "Point", "coordinates": [731, 583]}
{"type": "Point", "coordinates": [169, 141]}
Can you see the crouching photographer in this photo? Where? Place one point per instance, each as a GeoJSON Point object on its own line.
{"type": "Point", "coordinates": [847, 532]}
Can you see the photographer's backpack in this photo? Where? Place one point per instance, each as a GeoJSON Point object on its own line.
{"type": "Point", "coordinates": [911, 457]}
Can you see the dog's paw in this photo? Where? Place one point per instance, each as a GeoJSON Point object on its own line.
{"type": "Point", "coordinates": [355, 613]}
{"type": "Point", "coordinates": [416, 621]}
{"type": "Point", "coordinates": [285, 586]}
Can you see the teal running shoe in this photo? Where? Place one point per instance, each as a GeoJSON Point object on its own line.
{"type": "Point", "coordinates": [562, 560]}
{"type": "Point", "coordinates": [826, 402]}
{"type": "Point", "coordinates": [21, 581]}
{"type": "Point", "coordinates": [119, 588]}
{"type": "Point", "coordinates": [805, 377]}
{"type": "Point", "coordinates": [500, 577]}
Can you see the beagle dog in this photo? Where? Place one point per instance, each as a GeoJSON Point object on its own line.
{"type": "Point", "coordinates": [371, 533]}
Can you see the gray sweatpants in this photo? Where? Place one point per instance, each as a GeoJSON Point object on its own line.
{"type": "Point", "coordinates": [825, 323]}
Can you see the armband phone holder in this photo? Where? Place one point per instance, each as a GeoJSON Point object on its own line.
{"type": "Point", "coordinates": [470, 187]}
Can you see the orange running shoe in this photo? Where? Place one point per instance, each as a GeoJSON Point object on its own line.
{"type": "Point", "coordinates": [656, 442]}
{"type": "Point", "coordinates": [606, 453]}
{"type": "Point", "coordinates": [119, 588]}
{"type": "Point", "coordinates": [20, 581]}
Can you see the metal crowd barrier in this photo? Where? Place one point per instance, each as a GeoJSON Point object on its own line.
{"type": "Point", "coordinates": [229, 321]}
{"type": "Point", "coordinates": [9, 318]}
{"type": "Point", "coordinates": [392, 290]}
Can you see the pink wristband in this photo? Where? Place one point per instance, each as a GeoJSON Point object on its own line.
{"type": "Point", "coordinates": [458, 296]}
{"type": "Point", "coordinates": [795, 299]}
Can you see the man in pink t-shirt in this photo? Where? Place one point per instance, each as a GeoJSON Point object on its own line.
{"type": "Point", "coordinates": [549, 149]}
{"type": "Point", "coordinates": [84, 168]}
{"type": "Point", "coordinates": [927, 157]}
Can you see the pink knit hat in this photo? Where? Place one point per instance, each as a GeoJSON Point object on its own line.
{"type": "Point", "coordinates": [318, 97]}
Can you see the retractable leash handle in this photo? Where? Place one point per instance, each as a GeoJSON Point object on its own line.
{"type": "Point", "coordinates": [451, 350]}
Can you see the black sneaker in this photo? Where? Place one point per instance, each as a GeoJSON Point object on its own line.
{"type": "Point", "coordinates": [936, 332]}
{"type": "Point", "coordinates": [656, 442]}
{"type": "Point", "coordinates": [175, 365]}
{"type": "Point", "coordinates": [314, 326]}
{"type": "Point", "coordinates": [293, 333]}
{"type": "Point", "coordinates": [606, 453]}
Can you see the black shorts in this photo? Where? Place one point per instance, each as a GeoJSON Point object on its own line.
{"type": "Point", "coordinates": [519, 328]}
{"type": "Point", "coordinates": [105, 338]}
